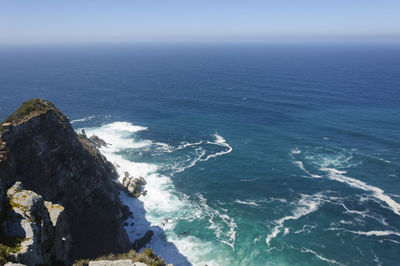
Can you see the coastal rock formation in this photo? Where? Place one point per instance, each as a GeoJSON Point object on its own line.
{"type": "Point", "coordinates": [133, 186]}
{"type": "Point", "coordinates": [146, 257]}
{"type": "Point", "coordinates": [141, 242]}
{"type": "Point", "coordinates": [94, 140]}
{"type": "Point", "coordinates": [40, 225]}
{"type": "Point", "coordinates": [116, 263]}
{"type": "Point", "coordinates": [39, 148]}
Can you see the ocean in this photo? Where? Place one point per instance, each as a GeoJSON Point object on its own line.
{"type": "Point", "coordinates": [253, 154]}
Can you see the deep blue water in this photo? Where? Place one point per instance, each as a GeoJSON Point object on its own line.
{"type": "Point", "coordinates": [253, 154]}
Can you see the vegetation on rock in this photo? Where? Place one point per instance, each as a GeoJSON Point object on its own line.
{"type": "Point", "coordinates": [29, 109]}
{"type": "Point", "coordinates": [147, 256]}
{"type": "Point", "coordinates": [9, 246]}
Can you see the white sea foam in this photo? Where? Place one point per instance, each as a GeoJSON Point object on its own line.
{"type": "Point", "coordinates": [394, 241]}
{"type": "Point", "coordinates": [190, 162]}
{"type": "Point", "coordinates": [219, 140]}
{"type": "Point", "coordinates": [187, 144]}
{"type": "Point", "coordinates": [226, 237]}
{"type": "Point", "coordinates": [305, 205]}
{"type": "Point", "coordinates": [124, 126]}
{"type": "Point", "coordinates": [162, 207]}
{"type": "Point", "coordinates": [306, 228]}
{"type": "Point", "coordinates": [367, 233]}
{"type": "Point", "coordinates": [307, 250]}
{"type": "Point", "coordinates": [301, 166]}
{"type": "Point", "coordinates": [366, 214]}
{"type": "Point", "coordinates": [300, 163]}
{"type": "Point", "coordinates": [375, 233]}
{"type": "Point", "coordinates": [82, 119]}
{"type": "Point", "coordinates": [248, 202]}
{"type": "Point", "coordinates": [378, 193]}
{"type": "Point", "coordinates": [295, 151]}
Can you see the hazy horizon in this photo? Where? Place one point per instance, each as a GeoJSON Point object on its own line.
{"type": "Point", "coordinates": [122, 21]}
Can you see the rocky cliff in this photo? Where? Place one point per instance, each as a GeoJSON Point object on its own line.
{"type": "Point", "coordinates": [39, 148]}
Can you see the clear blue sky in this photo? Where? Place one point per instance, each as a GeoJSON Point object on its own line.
{"type": "Point", "coordinates": [38, 21]}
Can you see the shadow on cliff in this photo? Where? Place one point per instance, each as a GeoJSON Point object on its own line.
{"type": "Point", "coordinates": [137, 226]}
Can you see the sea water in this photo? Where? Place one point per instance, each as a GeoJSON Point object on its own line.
{"type": "Point", "coordinates": [253, 154]}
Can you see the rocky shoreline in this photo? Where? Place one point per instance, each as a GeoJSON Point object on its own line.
{"type": "Point", "coordinates": [60, 196]}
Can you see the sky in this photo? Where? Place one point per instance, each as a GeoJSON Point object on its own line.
{"type": "Point", "coordinates": [70, 21]}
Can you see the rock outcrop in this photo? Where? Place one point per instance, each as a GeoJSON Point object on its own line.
{"type": "Point", "coordinates": [40, 225]}
{"type": "Point", "coordinates": [146, 257]}
{"type": "Point", "coordinates": [115, 263]}
{"type": "Point", "coordinates": [39, 148]}
{"type": "Point", "coordinates": [133, 186]}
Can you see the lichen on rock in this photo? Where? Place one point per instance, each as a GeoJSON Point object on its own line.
{"type": "Point", "coordinates": [28, 219]}
{"type": "Point", "coordinates": [133, 186]}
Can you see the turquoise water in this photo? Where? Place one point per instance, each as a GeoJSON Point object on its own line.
{"type": "Point", "coordinates": [253, 154]}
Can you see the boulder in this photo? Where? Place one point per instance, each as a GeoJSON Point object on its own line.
{"type": "Point", "coordinates": [115, 263]}
{"type": "Point", "coordinates": [133, 186]}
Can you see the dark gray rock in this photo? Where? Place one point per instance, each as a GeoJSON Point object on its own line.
{"type": "Point", "coordinates": [143, 241]}
{"type": "Point", "coordinates": [42, 151]}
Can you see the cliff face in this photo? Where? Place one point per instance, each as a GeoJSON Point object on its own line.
{"type": "Point", "coordinates": [39, 148]}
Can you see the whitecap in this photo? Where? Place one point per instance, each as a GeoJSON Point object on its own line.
{"type": "Point", "coordinates": [295, 151]}
{"type": "Point", "coordinates": [124, 126]}
{"type": "Point", "coordinates": [87, 118]}
{"type": "Point", "coordinates": [249, 202]}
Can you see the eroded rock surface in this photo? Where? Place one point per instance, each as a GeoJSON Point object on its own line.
{"type": "Point", "coordinates": [116, 263]}
{"type": "Point", "coordinates": [133, 186]}
{"type": "Point", "coordinates": [45, 239]}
